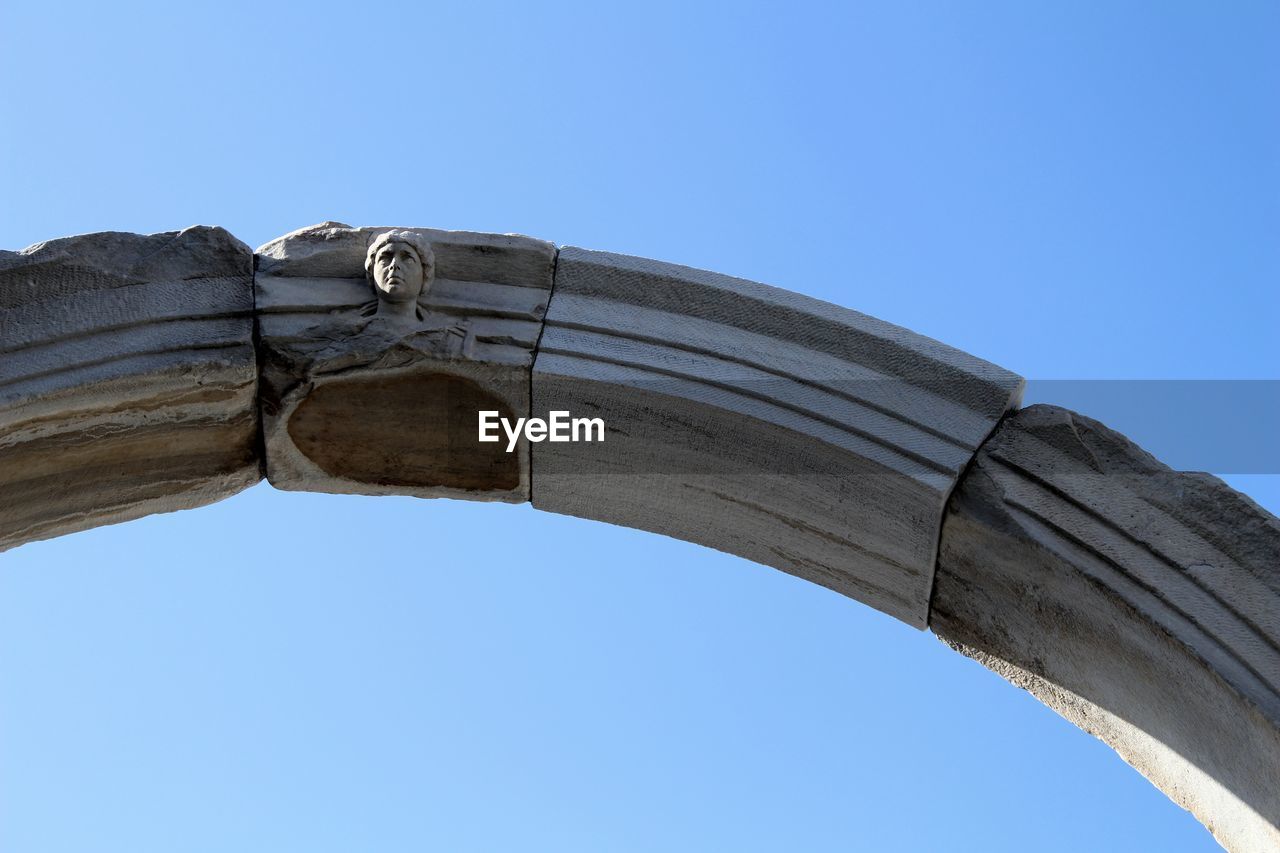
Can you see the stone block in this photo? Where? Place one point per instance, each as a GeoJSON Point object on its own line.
{"type": "Point", "coordinates": [127, 378]}
{"type": "Point", "coordinates": [776, 427]}
{"type": "Point", "coordinates": [379, 347]}
{"type": "Point", "coordinates": [1140, 603]}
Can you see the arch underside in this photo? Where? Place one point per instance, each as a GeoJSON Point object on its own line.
{"type": "Point", "coordinates": [142, 374]}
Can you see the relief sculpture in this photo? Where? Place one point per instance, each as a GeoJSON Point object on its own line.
{"type": "Point", "coordinates": [354, 322]}
{"type": "Point", "coordinates": [400, 266]}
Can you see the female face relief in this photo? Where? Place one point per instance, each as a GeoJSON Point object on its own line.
{"type": "Point", "coordinates": [397, 272]}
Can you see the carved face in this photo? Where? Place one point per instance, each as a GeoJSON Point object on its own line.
{"type": "Point", "coordinates": [397, 272]}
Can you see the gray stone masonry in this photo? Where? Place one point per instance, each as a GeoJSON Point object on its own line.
{"type": "Point", "coordinates": [143, 374]}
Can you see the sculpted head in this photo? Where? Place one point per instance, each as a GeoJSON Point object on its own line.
{"type": "Point", "coordinates": [400, 265]}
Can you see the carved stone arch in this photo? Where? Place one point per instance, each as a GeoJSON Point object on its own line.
{"type": "Point", "coordinates": [141, 374]}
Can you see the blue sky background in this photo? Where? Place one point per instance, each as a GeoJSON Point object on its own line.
{"type": "Point", "coordinates": [1072, 190]}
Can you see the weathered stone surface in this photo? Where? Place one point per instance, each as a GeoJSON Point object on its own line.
{"type": "Point", "coordinates": [372, 377]}
{"type": "Point", "coordinates": [789, 431]}
{"type": "Point", "coordinates": [1141, 603]}
{"type": "Point", "coordinates": [127, 378]}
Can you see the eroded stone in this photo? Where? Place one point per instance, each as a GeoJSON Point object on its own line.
{"type": "Point", "coordinates": [426, 433]}
{"type": "Point", "coordinates": [788, 431]}
{"type": "Point", "coordinates": [379, 346]}
{"type": "Point", "coordinates": [127, 378]}
{"type": "Point", "coordinates": [1141, 603]}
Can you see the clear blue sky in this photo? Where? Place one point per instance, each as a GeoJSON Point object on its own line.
{"type": "Point", "coordinates": [1072, 190]}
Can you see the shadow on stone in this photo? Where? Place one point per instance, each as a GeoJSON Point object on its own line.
{"type": "Point", "coordinates": [416, 430]}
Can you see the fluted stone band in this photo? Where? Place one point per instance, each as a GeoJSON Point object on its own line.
{"type": "Point", "coordinates": [141, 374]}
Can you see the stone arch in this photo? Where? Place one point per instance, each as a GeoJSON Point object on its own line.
{"type": "Point", "coordinates": [141, 374]}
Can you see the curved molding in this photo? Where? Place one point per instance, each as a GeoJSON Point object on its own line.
{"type": "Point", "coordinates": [127, 379]}
{"type": "Point", "coordinates": [1140, 603]}
{"type": "Point", "coordinates": [776, 427]}
{"type": "Point", "coordinates": [353, 403]}
{"type": "Point", "coordinates": [149, 373]}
